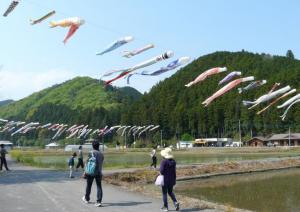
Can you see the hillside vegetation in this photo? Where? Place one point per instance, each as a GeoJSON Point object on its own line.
{"type": "Point", "coordinates": [6, 102]}
{"type": "Point", "coordinates": [179, 110]}
{"type": "Point", "coordinates": [81, 99]}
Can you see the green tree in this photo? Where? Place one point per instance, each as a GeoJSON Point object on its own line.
{"type": "Point", "coordinates": [186, 137]}
{"type": "Point", "coordinates": [290, 54]}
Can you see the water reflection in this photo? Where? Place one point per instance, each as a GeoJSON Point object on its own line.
{"type": "Point", "coordinates": [272, 191]}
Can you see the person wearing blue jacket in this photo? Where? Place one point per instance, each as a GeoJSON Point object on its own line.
{"type": "Point", "coordinates": [168, 170]}
{"type": "Point", "coordinates": [97, 175]}
{"type": "Point", "coordinates": [71, 164]}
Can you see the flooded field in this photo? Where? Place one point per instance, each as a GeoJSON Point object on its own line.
{"type": "Point", "coordinates": [269, 191]}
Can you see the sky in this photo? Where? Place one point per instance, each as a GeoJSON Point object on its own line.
{"type": "Point", "coordinates": [34, 57]}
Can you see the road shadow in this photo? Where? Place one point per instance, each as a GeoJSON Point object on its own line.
{"type": "Point", "coordinates": [22, 176]}
{"type": "Point", "coordinates": [192, 209]}
{"type": "Point", "coordinates": [125, 204]}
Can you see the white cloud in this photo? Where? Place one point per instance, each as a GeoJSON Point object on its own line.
{"type": "Point", "coordinates": [19, 84]}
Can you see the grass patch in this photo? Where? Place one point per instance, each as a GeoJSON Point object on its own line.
{"type": "Point", "coordinates": [140, 158]}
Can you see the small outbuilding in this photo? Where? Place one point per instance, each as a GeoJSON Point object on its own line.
{"type": "Point", "coordinates": [53, 145]}
{"type": "Point", "coordinates": [257, 141]}
{"type": "Point", "coordinates": [184, 144]}
{"type": "Point", "coordinates": [85, 147]}
{"type": "Point", "coordinates": [212, 142]}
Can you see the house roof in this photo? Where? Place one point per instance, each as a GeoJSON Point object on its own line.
{"type": "Point", "coordinates": [258, 138]}
{"type": "Point", "coordinates": [6, 142]}
{"type": "Point", "coordinates": [293, 136]}
{"type": "Point", "coordinates": [52, 145]}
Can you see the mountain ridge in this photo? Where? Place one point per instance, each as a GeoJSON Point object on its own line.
{"type": "Point", "coordinates": [73, 96]}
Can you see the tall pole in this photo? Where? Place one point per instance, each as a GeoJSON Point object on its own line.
{"type": "Point", "coordinates": [160, 138]}
{"type": "Point", "coordinates": [240, 131]}
{"type": "Point", "coordinates": [289, 136]}
{"type": "Point", "coordinates": [125, 141]}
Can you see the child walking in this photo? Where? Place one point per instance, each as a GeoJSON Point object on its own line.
{"type": "Point", "coordinates": [153, 157]}
{"type": "Point", "coordinates": [71, 164]}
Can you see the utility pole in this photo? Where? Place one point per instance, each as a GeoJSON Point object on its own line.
{"type": "Point", "coordinates": [161, 138]}
{"type": "Point", "coordinates": [240, 131]}
{"type": "Point", "coordinates": [289, 136]}
{"type": "Point", "coordinates": [125, 141]}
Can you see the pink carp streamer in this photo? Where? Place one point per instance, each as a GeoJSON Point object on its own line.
{"type": "Point", "coordinates": [73, 23]}
{"type": "Point", "coordinates": [276, 100]}
{"type": "Point", "coordinates": [205, 74]}
{"type": "Point", "coordinates": [226, 88]}
{"type": "Point", "coordinates": [71, 32]}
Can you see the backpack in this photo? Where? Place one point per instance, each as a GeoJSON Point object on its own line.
{"type": "Point", "coordinates": [91, 165]}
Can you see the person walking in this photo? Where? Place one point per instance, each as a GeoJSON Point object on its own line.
{"type": "Point", "coordinates": [3, 153]}
{"type": "Point", "coordinates": [80, 158]}
{"type": "Point", "coordinates": [168, 170]}
{"type": "Point", "coordinates": [71, 164]}
{"type": "Point", "coordinates": [93, 170]}
{"type": "Point", "coordinates": [153, 157]}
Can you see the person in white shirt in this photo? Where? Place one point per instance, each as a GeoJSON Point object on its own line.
{"type": "Point", "coordinates": [153, 157]}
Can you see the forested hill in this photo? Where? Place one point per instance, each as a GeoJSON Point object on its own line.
{"type": "Point", "coordinates": [80, 100]}
{"type": "Point", "coordinates": [178, 109]}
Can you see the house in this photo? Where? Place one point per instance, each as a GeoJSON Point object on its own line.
{"type": "Point", "coordinates": [292, 139]}
{"type": "Point", "coordinates": [257, 141]}
{"type": "Point", "coordinates": [7, 145]}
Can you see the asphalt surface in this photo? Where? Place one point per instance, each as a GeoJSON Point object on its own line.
{"type": "Point", "coordinates": [37, 190]}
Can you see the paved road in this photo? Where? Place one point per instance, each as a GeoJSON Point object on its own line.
{"type": "Point", "coordinates": [38, 190]}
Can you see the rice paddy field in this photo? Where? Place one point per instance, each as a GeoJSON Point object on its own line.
{"type": "Point", "coordinates": [274, 191]}
{"type": "Point", "coordinates": [57, 159]}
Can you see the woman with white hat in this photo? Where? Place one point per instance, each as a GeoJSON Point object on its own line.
{"type": "Point", "coordinates": [168, 170]}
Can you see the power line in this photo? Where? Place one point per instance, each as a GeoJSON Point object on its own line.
{"type": "Point", "coordinates": [94, 25]}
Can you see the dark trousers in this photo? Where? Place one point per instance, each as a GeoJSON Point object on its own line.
{"type": "Point", "coordinates": [3, 161]}
{"type": "Point", "coordinates": [154, 161]}
{"type": "Point", "coordinates": [89, 183]}
{"type": "Point", "coordinates": [168, 190]}
{"type": "Point", "coordinates": [80, 163]}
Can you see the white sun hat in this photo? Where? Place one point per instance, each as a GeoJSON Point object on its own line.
{"type": "Point", "coordinates": [166, 153]}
